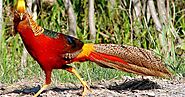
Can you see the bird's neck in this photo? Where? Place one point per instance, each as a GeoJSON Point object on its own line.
{"type": "Point", "coordinates": [24, 29]}
{"type": "Point", "coordinates": [37, 30]}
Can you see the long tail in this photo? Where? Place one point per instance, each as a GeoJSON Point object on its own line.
{"type": "Point", "coordinates": [126, 58]}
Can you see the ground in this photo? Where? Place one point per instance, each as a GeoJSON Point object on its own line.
{"type": "Point", "coordinates": [125, 87]}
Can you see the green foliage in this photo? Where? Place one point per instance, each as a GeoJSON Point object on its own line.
{"type": "Point", "coordinates": [113, 26]}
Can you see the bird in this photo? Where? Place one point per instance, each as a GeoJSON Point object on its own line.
{"type": "Point", "coordinates": [53, 50]}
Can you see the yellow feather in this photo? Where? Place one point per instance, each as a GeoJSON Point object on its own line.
{"type": "Point", "coordinates": [86, 50]}
{"type": "Point", "coordinates": [21, 6]}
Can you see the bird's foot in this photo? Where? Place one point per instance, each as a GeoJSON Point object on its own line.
{"type": "Point", "coordinates": [40, 91]}
{"type": "Point", "coordinates": [86, 89]}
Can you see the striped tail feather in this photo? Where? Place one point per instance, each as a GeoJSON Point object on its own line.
{"type": "Point", "coordinates": [129, 59]}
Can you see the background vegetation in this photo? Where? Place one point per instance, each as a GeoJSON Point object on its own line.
{"type": "Point", "coordinates": [113, 25]}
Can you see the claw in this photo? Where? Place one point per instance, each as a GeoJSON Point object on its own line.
{"type": "Point", "coordinates": [85, 90]}
{"type": "Point", "coordinates": [40, 91]}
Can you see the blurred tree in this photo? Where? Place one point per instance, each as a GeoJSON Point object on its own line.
{"type": "Point", "coordinates": [71, 18]}
{"type": "Point", "coordinates": [1, 17]}
{"type": "Point", "coordinates": [92, 20]}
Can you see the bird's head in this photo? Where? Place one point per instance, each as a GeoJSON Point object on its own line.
{"type": "Point", "coordinates": [19, 13]}
{"type": "Point", "coordinates": [23, 17]}
{"type": "Point", "coordinates": [20, 8]}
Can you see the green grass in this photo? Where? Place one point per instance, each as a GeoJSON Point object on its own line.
{"type": "Point", "coordinates": [112, 22]}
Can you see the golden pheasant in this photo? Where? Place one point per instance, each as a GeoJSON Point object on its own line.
{"type": "Point", "coordinates": [54, 50]}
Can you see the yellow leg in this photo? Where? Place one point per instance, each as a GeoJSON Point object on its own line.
{"type": "Point", "coordinates": [40, 91]}
{"type": "Point", "coordinates": [86, 87]}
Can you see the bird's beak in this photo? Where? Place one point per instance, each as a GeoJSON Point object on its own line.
{"type": "Point", "coordinates": [21, 7]}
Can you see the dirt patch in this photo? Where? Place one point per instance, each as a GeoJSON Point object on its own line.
{"type": "Point", "coordinates": [128, 87]}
